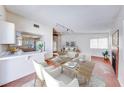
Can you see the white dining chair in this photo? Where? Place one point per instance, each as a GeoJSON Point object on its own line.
{"type": "Point", "coordinates": [38, 69]}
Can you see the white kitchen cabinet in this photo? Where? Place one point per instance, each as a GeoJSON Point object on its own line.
{"type": "Point", "coordinates": [7, 33]}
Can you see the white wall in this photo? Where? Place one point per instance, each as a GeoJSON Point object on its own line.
{"type": "Point", "coordinates": [83, 42]}
{"type": "Point", "coordinates": [26, 25]}
{"type": "Point", "coordinates": [119, 24]}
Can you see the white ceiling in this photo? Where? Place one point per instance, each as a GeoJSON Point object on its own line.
{"type": "Point", "coordinates": [78, 18]}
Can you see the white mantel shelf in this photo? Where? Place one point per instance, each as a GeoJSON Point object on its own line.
{"type": "Point", "coordinates": [12, 56]}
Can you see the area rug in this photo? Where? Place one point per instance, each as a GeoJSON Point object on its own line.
{"type": "Point", "coordinates": [85, 69]}
{"type": "Point", "coordinates": [94, 82]}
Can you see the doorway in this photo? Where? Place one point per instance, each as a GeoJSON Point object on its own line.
{"type": "Point", "coordinates": [56, 41]}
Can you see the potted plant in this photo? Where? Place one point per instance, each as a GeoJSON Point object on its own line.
{"type": "Point", "coordinates": [106, 55]}
{"type": "Point", "coordinates": [39, 46]}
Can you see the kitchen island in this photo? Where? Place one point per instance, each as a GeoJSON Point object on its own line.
{"type": "Point", "coordinates": [12, 56]}
{"type": "Point", "coordinates": [16, 66]}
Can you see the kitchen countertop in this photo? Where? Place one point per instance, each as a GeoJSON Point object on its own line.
{"type": "Point", "coordinates": [11, 56]}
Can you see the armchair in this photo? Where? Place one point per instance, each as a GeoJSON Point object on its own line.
{"type": "Point", "coordinates": [83, 57]}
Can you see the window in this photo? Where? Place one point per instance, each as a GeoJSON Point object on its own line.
{"type": "Point", "coordinates": [99, 43]}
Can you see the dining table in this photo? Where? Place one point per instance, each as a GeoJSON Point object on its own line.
{"type": "Point", "coordinates": [83, 68]}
